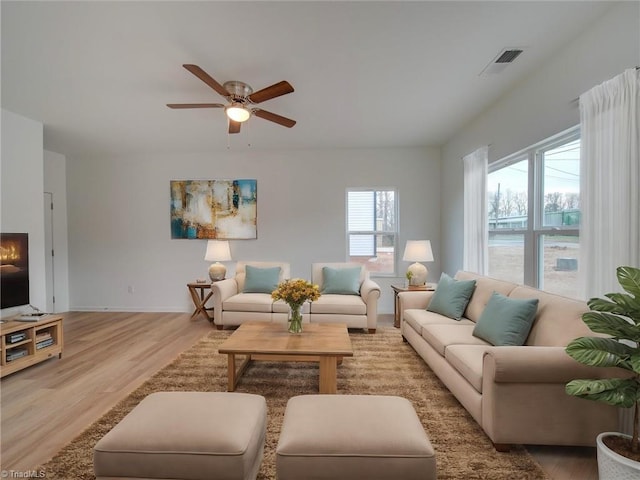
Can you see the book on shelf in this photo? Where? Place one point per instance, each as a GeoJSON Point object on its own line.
{"type": "Point", "coordinates": [16, 353]}
{"type": "Point", "coordinates": [16, 337]}
{"type": "Point", "coordinates": [44, 343]}
{"type": "Point", "coordinates": [43, 335]}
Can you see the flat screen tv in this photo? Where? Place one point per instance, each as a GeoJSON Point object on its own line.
{"type": "Point", "coordinates": [14, 269]}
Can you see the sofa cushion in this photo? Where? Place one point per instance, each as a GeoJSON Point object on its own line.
{"type": "Point", "coordinates": [249, 302]}
{"type": "Point", "coordinates": [341, 281]}
{"type": "Point", "coordinates": [467, 360]}
{"type": "Point", "coordinates": [485, 287]}
{"type": "Point", "coordinates": [317, 276]}
{"type": "Point", "coordinates": [559, 319]}
{"type": "Point", "coordinates": [451, 296]}
{"type": "Point", "coordinates": [441, 336]}
{"type": "Point", "coordinates": [417, 317]}
{"type": "Point", "coordinates": [339, 304]}
{"type": "Point", "coordinates": [261, 280]}
{"type": "Point", "coordinates": [506, 321]}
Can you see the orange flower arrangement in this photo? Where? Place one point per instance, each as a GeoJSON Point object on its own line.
{"type": "Point", "coordinates": [295, 292]}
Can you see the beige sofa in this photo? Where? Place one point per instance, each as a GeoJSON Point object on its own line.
{"type": "Point", "coordinates": [515, 393]}
{"type": "Point", "coordinates": [232, 307]}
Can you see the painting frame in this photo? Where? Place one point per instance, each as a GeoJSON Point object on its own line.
{"type": "Point", "coordinates": [214, 209]}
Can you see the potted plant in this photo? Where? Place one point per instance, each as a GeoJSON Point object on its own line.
{"type": "Point", "coordinates": [618, 317]}
{"type": "Point", "coordinates": [409, 276]}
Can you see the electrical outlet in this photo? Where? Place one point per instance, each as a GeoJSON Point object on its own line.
{"type": "Point", "coordinates": [131, 289]}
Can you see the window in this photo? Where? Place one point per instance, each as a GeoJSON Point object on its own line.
{"type": "Point", "coordinates": [534, 215]}
{"type": "Point", "coordinates": [372, 229]}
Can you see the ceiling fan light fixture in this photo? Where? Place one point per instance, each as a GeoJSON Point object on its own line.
{"type": "Point", "coordinates": [237, 112]}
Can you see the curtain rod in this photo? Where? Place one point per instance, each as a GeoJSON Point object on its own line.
{"type": "Point", "coordinates": [577, 100]}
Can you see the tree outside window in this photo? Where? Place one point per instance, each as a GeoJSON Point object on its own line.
{"type": "Point", "coordinates": [534, 215]}
{"type": "Point", "coordinates": [372, 229]}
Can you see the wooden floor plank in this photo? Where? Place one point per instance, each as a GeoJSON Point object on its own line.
{"type": "Point", "coordinates": [107, 355]}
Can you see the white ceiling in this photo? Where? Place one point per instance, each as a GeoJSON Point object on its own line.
{"type": "Point", "coordinates": [366, 74]}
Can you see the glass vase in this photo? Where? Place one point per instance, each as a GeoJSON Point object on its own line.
{"type": "Point", "coordinates": [295, 319]}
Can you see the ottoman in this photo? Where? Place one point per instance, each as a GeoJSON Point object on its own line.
{"type": "Point", "coordinates": [186, 436]}
{"type": "Point", "coordinates": [349, 437]}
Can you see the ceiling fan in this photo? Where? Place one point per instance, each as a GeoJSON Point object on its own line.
{"type": "Point", "coordinates": [241, 98]}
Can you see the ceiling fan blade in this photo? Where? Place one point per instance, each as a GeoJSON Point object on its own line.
{"type": "Point", "coordinates": [272, 117]}
{"type": "Point", "coordinates": [234, 127]}
{"type": "Point", "coordinates": [195, 105]}
{"type": "Point", "coordinates": [206, 78]}
{"type": "Point", "coordinates": [275, 90]}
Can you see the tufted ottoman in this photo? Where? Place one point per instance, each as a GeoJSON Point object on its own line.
{"type": "Point", "coordinates": [349, 437]}
{"type": "Point", "coordinates": [186, 436]}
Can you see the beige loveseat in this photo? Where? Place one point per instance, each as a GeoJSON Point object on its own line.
{"type": "Point", "coordinates": [232, 306]}
{"type": "Point", "coordinates": [515, 393]}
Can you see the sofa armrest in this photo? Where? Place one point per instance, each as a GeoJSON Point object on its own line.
{"type": "Point", "coordinates": [370, 293]}
{"type": "Point", "coordinates": [221, 291]}
{"type": "Point", "coordinates": [538, 364]}
{"type": "Point", "coordinates": [414, 299]}
{"type": "Point", "coordinates": [369, 290]}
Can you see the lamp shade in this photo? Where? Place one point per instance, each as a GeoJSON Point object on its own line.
{"type": "Point", "coordinates": [418, 251]}
{"type": "Point", "coordinates": [237, 112]}
{"type": "Point", "coordinates": [217, 251]}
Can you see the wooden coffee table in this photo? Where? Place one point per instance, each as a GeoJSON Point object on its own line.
{"type": "Point", "coordinates": [326, 344]}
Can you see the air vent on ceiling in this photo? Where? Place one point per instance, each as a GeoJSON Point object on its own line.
{"type": "Point", "coordinates": [501, 61]}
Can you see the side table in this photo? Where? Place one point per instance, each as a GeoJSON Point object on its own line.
{"type": "Point", "coordinates": [200, 299]}
{"type": "Point", "coordinates": [396, 303]}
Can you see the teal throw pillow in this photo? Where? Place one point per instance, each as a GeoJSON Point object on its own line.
{"type": "Point", "coordinates": [451, 297]}
{"type": "Point", "coordinates": [506, 321]}
{"type": "Point", "coordinates": [261, 280]}
{"type": "Point", "coordinates": [343, 281]}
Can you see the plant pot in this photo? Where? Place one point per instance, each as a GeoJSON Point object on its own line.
{"type": "Point", "coordinates": [612, 466]}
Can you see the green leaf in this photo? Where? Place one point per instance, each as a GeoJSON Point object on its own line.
{"type": "Point", "coordinates": [619, 392]}
{"type": "Point", "coordinates": [600, 352]}
{"type": "Point", "coordinates": [634, 361]}
{"type": "Point", "coordinates": [612, 325]}
{"type": "Point", "coordinates": [602, 305]}
{"type": "Point", "coordinates": [630, 306]}
{"type": "Point", "coordinates": [629, 279]}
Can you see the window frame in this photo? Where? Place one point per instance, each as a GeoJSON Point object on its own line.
{"type": "Point", "coordinates": [535, 231]}
{"type": "Point", "coordinates": [393, 233]}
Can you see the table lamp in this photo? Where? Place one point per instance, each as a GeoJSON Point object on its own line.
{"type": "Point", "coordinates": [418, 251]}
{"type": "Point", "coordinates": [217, 251]}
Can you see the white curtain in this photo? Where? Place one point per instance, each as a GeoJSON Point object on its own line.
{"type": "Point", "coordinates": [475, 253]}
{"type": "Point", "coordinates": [610, 182]}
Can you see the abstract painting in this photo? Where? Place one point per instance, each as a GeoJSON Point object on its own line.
{"type": "Point", "coordinates": [214, 209]}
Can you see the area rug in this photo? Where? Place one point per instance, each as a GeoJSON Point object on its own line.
{"type": "Point", "coordinates": [382, 365]}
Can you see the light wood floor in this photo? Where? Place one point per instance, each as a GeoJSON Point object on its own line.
{"type": "Point", "coordinates": [107, 355]}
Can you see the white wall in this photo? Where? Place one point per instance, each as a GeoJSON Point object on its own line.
{"type": "Point", "coordinates": [22, 209]}
{"type": "Point", "coordinates": [119, 230]}
{"type": "Point", "coordinates": [55, 182]}
{"type": "Point", "coordinates": [538, 108]}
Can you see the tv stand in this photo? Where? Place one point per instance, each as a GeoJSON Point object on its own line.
{"type": "Point", "coordinates": [27, 343]}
